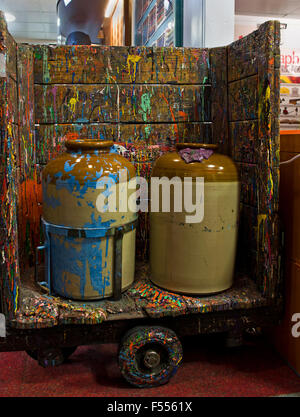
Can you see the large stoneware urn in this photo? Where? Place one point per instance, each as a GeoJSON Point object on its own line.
{"type": "Point", "coordinates": [90, 238]}
{"type": "Point", "coordinates": [195, 255]}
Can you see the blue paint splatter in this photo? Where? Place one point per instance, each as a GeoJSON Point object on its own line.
{"type": "Point", "coordinates": [50, 201]}
{"type": "Point", "coordinates": [68, 167]}
{"type": "Point", "coordinates": [73, 256]}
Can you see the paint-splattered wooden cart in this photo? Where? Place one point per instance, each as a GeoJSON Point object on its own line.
{"type": "Point", "coordinates": [147, 99]}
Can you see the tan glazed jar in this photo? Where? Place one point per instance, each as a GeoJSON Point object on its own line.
{"type": "Point", "coordinates": [196, 258]}
{"type": "Point", "coordinates": [80, 230]}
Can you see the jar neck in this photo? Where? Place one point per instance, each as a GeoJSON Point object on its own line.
{"type": "Point", "coordinates": [80, 151]}
{"type": "Point", "coordinates": [88, 146]}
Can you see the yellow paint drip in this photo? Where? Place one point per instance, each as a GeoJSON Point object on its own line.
{"type": "Point", "coordinates": [260, 218]}
{"type": "Point", "coordinates": [272, 184]}
{"type": "Point", "coordinates": [73, 102]}
{"type": "Point", "coordinates": [132, 59]}
{"type": "Point", "coordinates": [16, 299]}
{"type": "Point", "coordinates": [268, 93]}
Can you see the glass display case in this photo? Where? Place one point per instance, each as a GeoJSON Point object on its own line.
{"type": "Point", "coordinates": [158, 22]}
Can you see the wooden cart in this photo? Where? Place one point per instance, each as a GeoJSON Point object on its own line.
{"type": "Point", "coordinates": [146, 99]}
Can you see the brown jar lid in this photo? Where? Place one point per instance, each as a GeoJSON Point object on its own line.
{"type": "Point", "coordinates": [185, 145]}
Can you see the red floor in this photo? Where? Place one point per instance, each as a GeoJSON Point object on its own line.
{"type": "Point", "coordinates": [208, 370]}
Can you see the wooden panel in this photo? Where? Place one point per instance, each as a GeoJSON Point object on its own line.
{"type": "Point", "coordinates": [3, 89]}
{"type": "Point", "coordinates": [165, 104]}
{"type": "Point", "coordinates": [8, 101]}
{"type": "Point", "coordinates": [268, 116]}
{"type": "Point", "coordinates": [247, 228]}
{"type": "Point", "coordinates": [249, 149]}
{"type": "Point", "coordinates": [29, 192]}
{"type": "Point", "coordinates": [49, 138]}
{"type": "Point", "coordinates": [269, 75]}
{"type": "Point", "coordinates": [219, 98]}
{"type": "Point", "coordinates": [275, 129]}
{"type": "Point", "coordinates": [10, 175]}
{"type": "Point", "coordinates": [269, 251]}
{"type": "Point", "coordinates": [247, 258]}
{"type": "Point", "coordinates": [243, 138]}
{"type": "Point", "coordinates": [256, 144]}
{"type": "Point", "coordinates": [127, 103]}
{"type": "Point", "coordinates": [99, 65]}
{"type": "Point", "coordinates": [26, 110]}
{"type": "Point", "coordinates": [12, 100]}
{"type": "Point", "coordinates": [255, 188]}
{"type": "Point", "coordinates": [67, 104]}
{"type": "Point", "coordinates": [9, 191]}
{"type": "Point", "coordinates": [166, 134]}
{"type": "Point", "coordinates": [27, 151]}
{"type": "Point", "coordinates": [25, 86]}
{"type": "Point", "coordinates": [242, 58]}
{"type": "Point", "coordinates": [243, 99]}
{"type": "Point", "coordinates": [29, 215]}
{"type": "Point", "coordinates": [249, 184]}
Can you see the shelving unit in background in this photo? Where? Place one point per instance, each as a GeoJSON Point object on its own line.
{"type": "Point", "coordinates": [159, 22]}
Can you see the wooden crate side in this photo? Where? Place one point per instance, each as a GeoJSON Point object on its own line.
{"type": "Point", "coordinates": [254, 136]}
{"type": "Point", "coordinates": [119, 65]}
{"type": "Point", "coordinates": [243, 99]}
{"type": "Point", "coordinates": [243, 141]}
{"type": "Point", "coordinates": [243, 57]}
{"type": "Point", "coordinates": [29, 195]}
{"type": "Point", "coordinates": [121, 103]}
{"type": "Point", "coordinates": [219, 98]}
{"type": "Point", "coordinates": [9, 174]}
{"type": "Point", "coordinates": [269, 240]}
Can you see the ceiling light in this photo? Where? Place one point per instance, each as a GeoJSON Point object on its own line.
{"type": "Point", "coordinates": [9, 17]}
{"type": "Point", "coordinates": [110, 8]}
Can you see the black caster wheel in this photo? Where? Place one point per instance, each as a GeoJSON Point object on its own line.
{"type": "Point", "coordinates": [52, 356]}
{"type": "Point", "coordinates": [149, 356]}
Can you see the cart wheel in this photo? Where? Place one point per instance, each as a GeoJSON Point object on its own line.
{"type": "Point", "coordinates": [51, 356]}
{"type": "Point", "coordinates": [149, 356]}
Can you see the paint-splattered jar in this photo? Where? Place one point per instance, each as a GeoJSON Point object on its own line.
{"type": "Point", "coordinates": [195, 253]}
{"type": "Point", "coordinates": [84, 220]}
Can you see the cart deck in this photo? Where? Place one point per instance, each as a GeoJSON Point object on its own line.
{"type": "Point", "coordinates": [48, 321]}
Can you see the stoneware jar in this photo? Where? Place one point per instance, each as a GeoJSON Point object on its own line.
{"type": "Point", "coordinates": [196, 257]}
{"type": "Point", "coordinates": [80, 228]}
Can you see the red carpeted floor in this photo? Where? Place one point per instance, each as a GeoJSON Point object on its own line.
{"type": "Point", "coordinates": [208, 370]}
